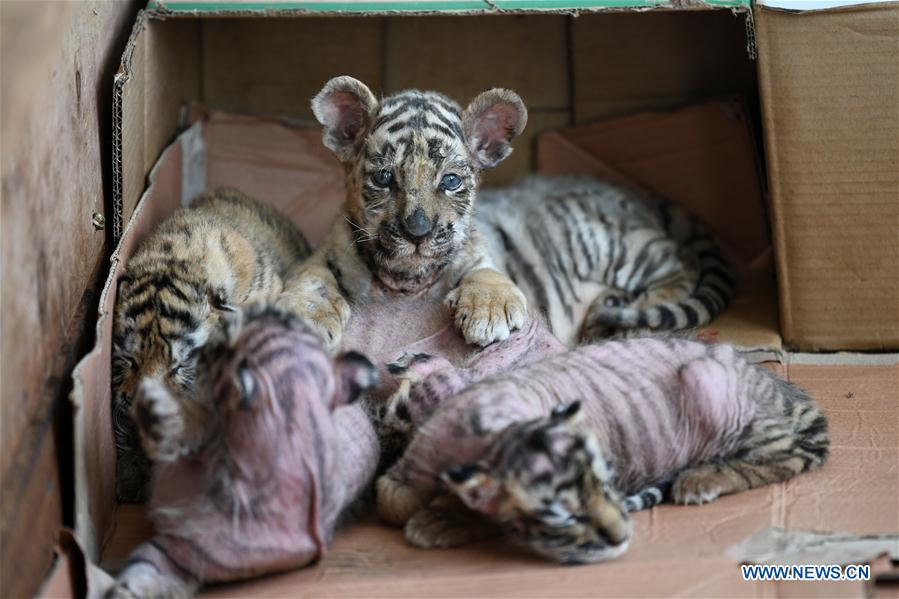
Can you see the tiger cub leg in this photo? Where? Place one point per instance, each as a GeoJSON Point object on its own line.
{"type": "Point", "coordinates": [446, 522]}
{"type": "Point", "coordinates": [311, 291]}
{"type": "Point", "coordinates": [169, 427]}
{"type": "Point", "coordinates": [772, 452]}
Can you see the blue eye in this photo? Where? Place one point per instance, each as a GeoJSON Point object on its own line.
{"type": "Point", "coordinates": [382, 178]}
{"type": "Point", "coordinates": [451, 182]}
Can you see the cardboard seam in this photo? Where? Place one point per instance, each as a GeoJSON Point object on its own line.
{"type": "Point", "coordinates": [773, 192]}
{"type": "Point", "coordinates": [120, 79]}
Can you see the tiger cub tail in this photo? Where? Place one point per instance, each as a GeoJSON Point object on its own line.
{"type": "Point", "coordinates": [686, 299]}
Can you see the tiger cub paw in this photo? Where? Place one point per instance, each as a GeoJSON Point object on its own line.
{"type": "Point", "coordinates": [144, 580]}
{"type": "Point", "coordinates": [321, 305]}
{"type": "Point", "coordinates": [398, 501]}
{"type": "Point", "coordinates": [446, 523]}
{"type": "Point", "coordinates": [488, 306]}
{"type": "Point", "coordinates": [160, 422]}
{"type": "Point", "coordinates": [699, 485]}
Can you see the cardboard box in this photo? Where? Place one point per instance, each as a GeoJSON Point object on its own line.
{"type": "Point", "coordinates": [830, 90]}
{"type": "Point", "coordinates": [186, 51]}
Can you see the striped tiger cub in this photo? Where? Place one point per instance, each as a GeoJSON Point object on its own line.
{"type": "Point", "coordinates": [558, 451]}
{"type": "Point", "coordinates": [222, 251]}
{"type": "Point", "coordinates": [591, 257]}
{"type": "Point", "coordinates": [595, 259]}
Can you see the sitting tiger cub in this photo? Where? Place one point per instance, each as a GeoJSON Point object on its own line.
{"type": "Point", "coordinates": [592, 257]}
{"type": "Point", "coordinates": [223, 251]}
{"type": "Point", "coordinates": [413, 163]}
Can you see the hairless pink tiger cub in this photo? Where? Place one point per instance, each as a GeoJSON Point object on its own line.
{"type": "Point", "coordinates": [550, 450]}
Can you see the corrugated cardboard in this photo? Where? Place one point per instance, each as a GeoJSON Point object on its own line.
{"type": "Point", "coordinates": [627, 61]}
{"type": "Point", "coordinates": [830, 90]}
{"type": "Point", "coordinates": [275, 66]}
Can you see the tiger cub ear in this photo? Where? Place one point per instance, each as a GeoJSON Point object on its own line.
{"type": "Point", "coordinates": [231, 325]}
{"type": "Point", "coordinates": [490, 123]}
{"type": "Point", "coordinates": [478, 489]}
{"type": "Point", "coordinates": [567, 413]}
{"type": "Point", "coordinates": [346, 108]}
{"type": "Point", "coordinates": [355, 374]}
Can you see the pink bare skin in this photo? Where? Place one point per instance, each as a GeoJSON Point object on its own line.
{"type": "Point", "coordinates": [284, 454]}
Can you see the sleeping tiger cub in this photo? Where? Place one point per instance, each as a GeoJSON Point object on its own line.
{"type": "Point", "coordinates": [590, 256]}
{"type": "Point", "coordinates": [558, 451]}
{"type": "Point", "coordinates": [222, 251]}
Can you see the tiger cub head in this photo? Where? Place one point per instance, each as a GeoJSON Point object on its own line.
{"type": "Point", "coordinates": [163, 316]}
{"type": "Point", "coordinates": [548, 484]}
{"type": "Point", "coordinates": [413, 163]}
{"type": "Point", "coordinates": [264, 369]}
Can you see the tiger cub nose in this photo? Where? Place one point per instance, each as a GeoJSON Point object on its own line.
{"type": "Point", "coordinates": [417, 225]}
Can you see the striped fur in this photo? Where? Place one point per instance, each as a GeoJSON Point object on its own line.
{"type": "Point", "coordinates": [223, 251]}
{"type": "Point", "coordinates": [591, 257]}
{"type": "Point", "coordinates": [695, 421]}
{"type": "Point", "coordinates": [595, 259]}
{"type": "Point", "coordinates": [413, 162]}
{"type": "Point", "coordinates": [280, 459]}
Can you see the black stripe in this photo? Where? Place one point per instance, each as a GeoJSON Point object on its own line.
{"type": "Point", "coordinates": [526, 269]}
{"type": "Point", "coordinates": [690, 313]}
{"type": "Point", "coordinates": [668, 320]}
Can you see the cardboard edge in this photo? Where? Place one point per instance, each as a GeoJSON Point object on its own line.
{"type": "Point", "coordinates": [85, 530]}
{"type": "Point", "coordinates": [159, 10]}
{"type": "Point", "coordinates": [121, 78]}
{"type": "Point", "coordinates": [163, 9]}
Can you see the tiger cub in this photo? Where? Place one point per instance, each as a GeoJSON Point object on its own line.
{"type": "Point", "coordinates": [223, 251]}
{"type": "Point", "coordinates": [558, 451]}
{"type": "Point", "coordinates": [595, 259]}
{"type": "Point", "coordinates": [413, 163]}
{"type": "Point", "coordinates": [592, 257]}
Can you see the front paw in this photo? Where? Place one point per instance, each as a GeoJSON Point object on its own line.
{"type": "Point", "coordinates": [160, 422]}
{"type": "Point", "coordinates": [488, 307]}
{"type": "Point", "coordinates": [323, 308]}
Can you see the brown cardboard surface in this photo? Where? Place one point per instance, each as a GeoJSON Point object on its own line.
{"type": "Point", "coordinates": [629, 61]}
{"type": "Point", "coordinates": [830, 90]}
{"type": "Point", "coordinates": [162, 74]}
{"type": "Point", "coordinates": [528, 54]}
{"type": "Point", "coordinates": [676, 551]}
{"type": "Point", "coordinates": [275, 66]}
{"type": "Point", "coordinates": [285, 166]}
